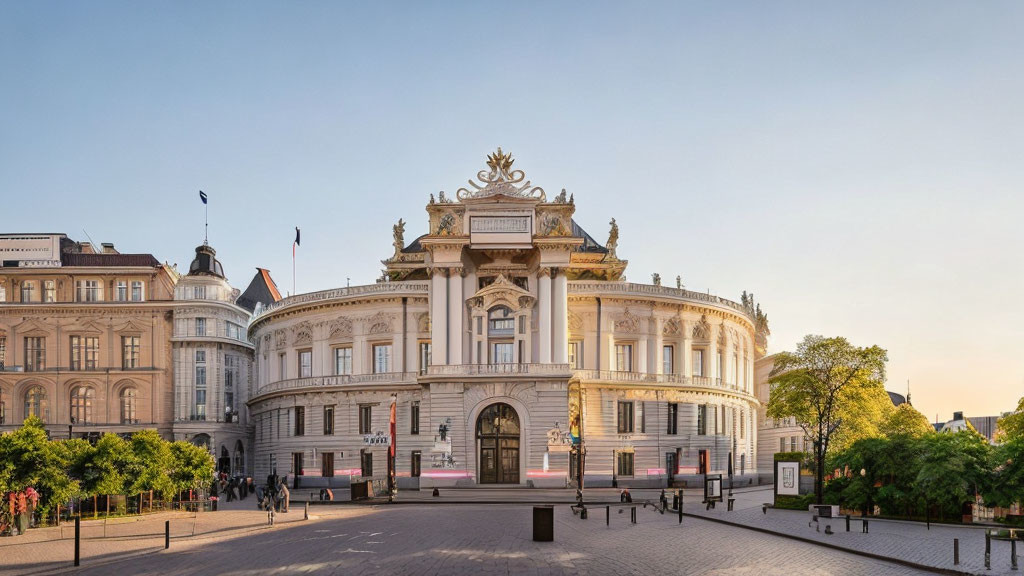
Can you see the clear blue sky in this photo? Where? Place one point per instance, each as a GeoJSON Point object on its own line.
{"type": "Point", "coordinates": [858, 167]}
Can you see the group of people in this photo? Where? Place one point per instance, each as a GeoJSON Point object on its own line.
{"type": "Point", "coordinates": [236, 488]}
{"type": "Point", "coordinates": [275, 496]}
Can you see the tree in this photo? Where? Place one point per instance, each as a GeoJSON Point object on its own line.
{"type": "Point", "coordinates": [151, 465]}
{"type": "Point", "coordinates": [191, 466]}
{"type": "Point", "coordinates": [954, 467]}
{"type": "Point", "coordinates": [112, 465]}
{"type": "Point", "coordinates": [1007, 482]}
{"type": "Point", "coordinates": [1011, 426]}
{"type": "Point", "coordinates": [818, 384]}
{"type": "Point", "coordinates": [905, 420]}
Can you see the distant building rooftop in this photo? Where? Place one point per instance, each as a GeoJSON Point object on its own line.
{"type": "Point", "coordinates": [261, 289]}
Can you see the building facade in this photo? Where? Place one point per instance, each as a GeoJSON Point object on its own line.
{"type": "Point", "coordinates": [84, 337]}
{"type": "Point", "coordinates": [504, 341]}
{"type": "Point", "coordinates": [212, 364]}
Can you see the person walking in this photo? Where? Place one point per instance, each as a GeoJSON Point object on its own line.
{"type": "Point", "coordinates": [285, 496]}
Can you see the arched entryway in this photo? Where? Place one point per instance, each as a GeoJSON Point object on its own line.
{"type": "Point", "coordinates": [497, 435]}
{"type": "Point", "coordinates": [224, 463]}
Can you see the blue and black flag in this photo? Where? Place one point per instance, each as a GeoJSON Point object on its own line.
{"type": "Point", "coordinates": [202, 196]}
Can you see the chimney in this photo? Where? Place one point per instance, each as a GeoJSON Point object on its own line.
{"type": "Point", "coordinates": [108, 248]}
{"type": "Point", "coordinates": [958, 415]}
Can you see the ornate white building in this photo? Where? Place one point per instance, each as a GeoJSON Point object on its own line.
{"type": "Point", "coordinates": [506, 337]}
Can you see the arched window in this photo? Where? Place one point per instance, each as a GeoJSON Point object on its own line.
{"type": "Point", "coordinates": [128, 398]}
{"type": "Point", "coordinates": [81, 404]}
{"type": "Point", "coordinates": [35, 403]}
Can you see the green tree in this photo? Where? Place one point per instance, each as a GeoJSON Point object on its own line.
{"type": "Point", "coordinates": [24, 456]}
{"type": "Point", "coordinates": [954, 467]}
{"type": "Point", "coordinates": [820, 385]}
{"type": "Point", "coordinates": [1011, 426]}
{"type": "Point", "coordinates": [112, 465]}
{"type": "Point", "coordinates": [1006, 486]}
{"type": "Point", "coordinates": [191, 466]}
{"type": "Point", "coordinates": [151, 466]}
{"type": "Point", "coordinates": [906, 420]}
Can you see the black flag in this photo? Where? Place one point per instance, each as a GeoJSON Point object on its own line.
{"type": "Point", "coordinates": [202, 196]}
{"type": "Point", "coordinates": [297, 243]}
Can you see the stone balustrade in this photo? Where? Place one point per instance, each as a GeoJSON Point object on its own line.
{"type": "Point", "coordinates": [338, 380]}
{"type": "Point", "coordinates": [595, 287]}
{"type": "Point", "coordinates": [413, 287]}
{"type": "Point", "coordinates": [498, 369]}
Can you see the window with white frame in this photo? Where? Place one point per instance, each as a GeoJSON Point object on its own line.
{"type": "Point", "coordinates": [381, 358]}
{"type": "Point", "coordinates": [138, 295]}
{"type": "Point", "coordinates": [130, 352]}
{"type": "Point", "coordinates": [35, 354]}
{"type": "Point", "coordinates": [698, 362]}
{"type": "Point", "coordinates": [343, 360]}
{"type": "Point", "coordinates": [624, 357]}
{"type": "Point", "coordinates": [28, 291]}
{"type": "Point", "coordinates": [84, 352]}
{"type": "Point", "coordinates": [88, 290]}
{"type": "Point", "coordinates": [426, 356]}
{"type": "Point", "coordinates": [668, 359]}
{"type": "Point", "coordinates": [305, 363]}
{"type": "Point", "coordinates": [121, 291]}
{"type": "Point", "coordinates": [200, 326]}
{"type": "Point", "coordinates": [49, 291]}
{"type": "Point", "coordinates": [576, 355]}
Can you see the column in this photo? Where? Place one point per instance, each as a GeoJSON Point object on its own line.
{"type": "Point", "coordinates": [712, 360]}
{"type": "Point", "coordinates": [544, 308]}
{"type": "Point", "coordinates": [640, 358]}
{"type": "Point", "coordinates": [659, 348]}
{"type": "Point", "coordinates": [456, 306]}
{"type": "Point", "coordinates": [438, 316]}
{"type": "Point", "coordinates": [560, 311]}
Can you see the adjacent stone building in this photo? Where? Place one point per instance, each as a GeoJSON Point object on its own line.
{"type": "Point", "coordinates": [84, 337]}
{"type": "Point", "coordinates": [508, 344]}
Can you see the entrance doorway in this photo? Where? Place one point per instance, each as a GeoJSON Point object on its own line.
{"type": "Point", "coordinates": [497, 433]}
{"type": "Point", "coordinates": [671, 467]}
{"type": "Point", "coordinates": [703, 461]}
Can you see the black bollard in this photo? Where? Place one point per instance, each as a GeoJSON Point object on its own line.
{"type": "Point", "coordinates": [864, 525]}
{"type": "Point", "coordinates": [583, 513]}
{"type": "Point", "coordinates": [956, 551]}
{"type": "Point", "coordinates": [988, 551]}
{"type": "Point", "coordinates": [847, 522]}
{"type": "Point", "coordinates": [1013, 554]}
{"type": "Point", "coordinates": [167, 534]}
{"type": "Point", "coordinates": [78, 539]}
{"type": "Point", "coordinates": [607, 515]}
{"type": "Point", "coordinates": [632, 515]}
{"type": "Point", "coordinates": [437, 492]}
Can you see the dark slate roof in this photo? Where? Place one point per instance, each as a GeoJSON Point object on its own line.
{"type": "Point", "coordinates": [589, 244]}
{"type": "Point", "coordinates": [71, 259]}
{"type": "Point", "coordinates": [205, 263]}
{"type": "Point", "coordinates": [414, 246]}
{"type": "Point", "coordinates": [261, 289]}
{"type": "Point", "coordinates": [897, 399]}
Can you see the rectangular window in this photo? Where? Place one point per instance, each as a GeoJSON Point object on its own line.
{"type": "Point", "coordinates": [328, 420]}
{"type": "Point", "coordinates": [89, 290]}
{"type": "Point", "coordinates": [625, 417]}
{"type": "Point", "coordinates": [130, 352]}
{"type": "Point", "coordinates": [198, 292]}
{"type": "Point", "coordinates": [576, 355]}
{"type": "Point", "coordinates": [201, 401]}
{"type": "Point", "coordinates": [121, 293]}
{"type": "Point", "coordinates": [365, 419]}
{"type": "Point", "coordinates": [425, 356]}
{"type": "Point", "coordinates": [414, 467]}
{"type": "Point", "coordinates": [232, 375]}
{"type": "Point", "coordinates": [342, 361]}
{"type": "Point", "coordinates": [366, 463]}
{"type": "Point", "coordinates": [381, 358]}
{"type": "Point", "coordinates": [327, 464]}
{"type": "Point", "coordinates": [3, 292]}
{"type": "Point", "coordinates": [479, 325]}
{"type": "Point", "coordinates": [624, 357]}
{"type": "Point", "coordinates": [35, 354]}
{"type": "Point", "coordinates": [782, 444]}
{"type": "Point", "coordinates": [137, 295]}
{"type": "Point", "coordinates": [624, 464]}
{"type": "Point", "coordinates": [84, 352]}
{"type": "Point", "coordinates": [282, 368]}
{"type": "Point", "coordinates": [28, 291]}
{"type": "Point", "coordinates": [300, 421]}
{"type": "Point", "coordinates": [502, 353]}
{"type": "Point", "coordinates": [3, 352]}
{"type": "Point", "coordinates": [200, 326]}
{"type": "Point", "coordinates": [668, 360]}
{"type": "Point", "coordinates": [792, 444]}
{"type": "Point", "coordinates": [200, 356]}
{"type": "Point", "coordinates": [698, 363]}
{"type": "Point", "coordinates": [522, 324]}
{"type": "Point", "coordinates": [414, 418]}
{"type": "Point", "coordinates": [305, 363]}
{"type": "Point", "coordinates": [673, 418]}
{"type": "Point", "coordinates": [298, 468]}
{"type": "Point", "coordinates": [49, 291]}
{"type": "Point", "coordinates": [200, 376]}
{"type": "Point", "coordinates": [702, 420]}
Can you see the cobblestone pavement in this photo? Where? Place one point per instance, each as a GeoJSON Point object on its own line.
{"type": "Point", "coordinates": [470, 539]}
{"type": "Point", "coordinates": [910, 541]}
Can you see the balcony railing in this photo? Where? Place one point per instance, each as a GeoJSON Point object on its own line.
{"type": "Point", "coordinates": [339, 380]}
{"type": "Point", "coordinates": [379, 288]}
{"type": "Point", "coordinates": [498, 369]}
{"type": "Point", "coordinates": [651, 378]}
{"type": "Point", "coordinates": [593, 287]}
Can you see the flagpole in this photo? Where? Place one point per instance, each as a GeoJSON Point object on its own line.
{"type": "Point", "coordinates": [293, 268]}
{"type": "Point", "coordinates": [206, 223]}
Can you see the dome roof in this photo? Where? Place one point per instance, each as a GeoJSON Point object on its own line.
{"type": "Point", "coordinates": [205, 263]}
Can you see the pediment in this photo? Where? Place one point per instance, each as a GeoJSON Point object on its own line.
{"type": "Point", "coordinates": [501, 291]}
{"type": "Point", "coordinates": [33, 327]}
{"type": "Point", "coordinates": [131, 326]}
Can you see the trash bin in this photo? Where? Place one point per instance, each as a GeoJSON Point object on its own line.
{"type": "Point", "coordinates": [543, 523]}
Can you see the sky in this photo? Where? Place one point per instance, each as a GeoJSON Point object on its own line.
{"type": "Point", "coordinates": [859, 167]}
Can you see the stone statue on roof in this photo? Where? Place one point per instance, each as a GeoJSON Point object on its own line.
{"type": "Point", "coordinates": [613, 240]}
{"type": "Point", "coordinates": [399, 232]}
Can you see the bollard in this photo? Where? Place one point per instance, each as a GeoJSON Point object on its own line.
{"type": "Point", "coordinates": [607, 515]}
{"type": "Point", "coordinates": [167, 534]}
{"type": "Point", "coordinates": [864, 525]}
{"type": "Point", "coordinates": [988, 551]}
{"type": "Point", "coordinates": [956, 551]}
{"type": "Point", "coordinates": [78, 539]}
{"type": "Point", "coordinates": [437, 492]}
{"type": "Point", "coordinates": [731, 500]}
{"type": "Point", "coordinates": [305, 515]}
{"type": "Point", "coordinates": [1013, 554]}
{"type": "Point", "coordinates": [632, 515]}
{"type": "Point", "coordinates": [583, 513]}
{"type": "Point", "coordinates": [680, 512]}
{"type": "Point", "coordinates": [847, 522]}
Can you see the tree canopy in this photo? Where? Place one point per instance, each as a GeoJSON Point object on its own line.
{"type": "Point", "coordinates": [826, 385]}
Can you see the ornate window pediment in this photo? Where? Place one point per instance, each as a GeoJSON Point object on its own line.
{"type": "Point", "coordinates": [379, 323]}
{"type": "Point", "coordinates": [501, 292]}
{"type": "Point", "coordinates": [672, 327]}
{"type": "Point", "coordinates": [303, 333]}
{"type": "Point", "coordinates": [340, 327]}
{"type": "Point", "coordinates": [131, 327]}
{"type": "Point", "coordinates": [702, 329]}
{"type": "Point", "coordinates": [627, 322]}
